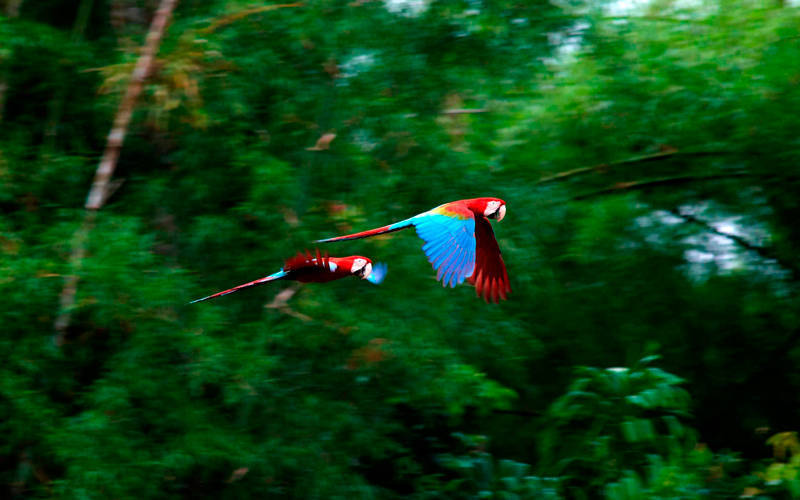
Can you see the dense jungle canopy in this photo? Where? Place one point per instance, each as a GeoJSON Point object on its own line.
{"type": "Point", "coordinates": [649, 154]}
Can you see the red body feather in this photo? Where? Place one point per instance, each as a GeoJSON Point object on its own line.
{"type": "Point", "coordinates": [309, 268]}
{"type": "Point", "coordinates": [306, 268]}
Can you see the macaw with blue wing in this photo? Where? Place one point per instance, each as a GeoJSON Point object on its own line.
{"type": "Point", "coordinates": [459, 244]}
{"type": "Point", "coordinates": [308, 268]}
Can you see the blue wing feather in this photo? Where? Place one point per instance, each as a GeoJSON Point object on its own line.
{"type": "Point", "coordinates": [459, 266]}
{"type": "Point", "coordinates": [449, 245]}
{"type": "Point", "coordinates": [456, 265]}
{"type": "Point", "coordinates": [452, 268]}
{"type": "Point", "coordinates": [462, 261]}
{"type": "Point", "coordinates": [445, 267]}
{"type": "Point", "coordinates": [442, 253]}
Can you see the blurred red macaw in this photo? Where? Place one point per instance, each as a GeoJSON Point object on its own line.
{"type": "Point", "coordinates": [308, 268]}
{"type": "Point", "coordinates": [459, 243]}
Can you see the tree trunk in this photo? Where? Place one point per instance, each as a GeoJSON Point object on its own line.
{"type": "Point", "coordinates": [116, 137]}
{"type": "Point", "coordinates": [99, 192]}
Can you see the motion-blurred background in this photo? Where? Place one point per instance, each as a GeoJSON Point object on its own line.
{"type": "Point", "coordinates": [650, 158]}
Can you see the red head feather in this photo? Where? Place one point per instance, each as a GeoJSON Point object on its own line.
{"type": "Point", "coordinates": [493, 208]}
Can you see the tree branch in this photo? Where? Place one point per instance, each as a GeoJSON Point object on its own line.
{"type": "Point", "coordinates": [665, 181]}
{"type": "Point", "coordinates": [602, 167]}
{"type": "Point", "coordinates": [764, 252]}
{"type": "Point", "coordinates": [464, 111]}
{"type": "Point", "coordinates": [66, 299]}
{"type": "Point", "coordinates": [661, 19]}
{"type": "Point", "coordinates": [100, 190]}
{"type": "Point", "coordinates": [97, 195]}
{"type": "Point", "coordinates": [230, 18]}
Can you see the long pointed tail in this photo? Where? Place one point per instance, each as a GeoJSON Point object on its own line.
{"type": "Point", "coordinates": [372, 232]}
{"type": "Point", "coordinates": [272, 277]}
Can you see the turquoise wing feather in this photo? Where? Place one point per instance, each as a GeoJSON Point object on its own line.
{"type": "Point", "coordinates": [449, 236]}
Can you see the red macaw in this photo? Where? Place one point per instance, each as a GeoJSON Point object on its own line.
{"type": "Point", "coordinates": [308, 268]}
{"type": "Point", "coordinates": [459, 243]}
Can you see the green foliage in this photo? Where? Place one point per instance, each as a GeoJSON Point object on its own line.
{"type": "Point", "coordinates": [648, 154]}
{"type": "Point", "coordinates": [479, 475]}
{"type": "Point", "coordinates": [780, 477]}
{"type": "Point", "coordinates": [611, 420]}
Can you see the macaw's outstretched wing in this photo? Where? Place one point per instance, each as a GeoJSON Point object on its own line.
{"type": "Point", "coordinates": [449, 234]}
{"type": "Point", "coordinates": [272, 277]}
{"type": "Point", "coordinates": [490, 277]}
{"type": "Point", "coordinates": [378, 273]}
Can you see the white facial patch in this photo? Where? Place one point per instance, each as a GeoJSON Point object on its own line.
{"type": "Point", "coordinates": [491, 207]}
{"type": "Point", "coordinates": [357, 265]}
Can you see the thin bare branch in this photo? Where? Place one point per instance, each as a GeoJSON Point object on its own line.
{"type": "Point", "coordinates": [230, 18]}
{"type": "Point", "coordinates": [602, 167]}
{"type": "Point", "coordinates": [101, 187]}
{"type": "Point", "coordinates": [67, 298]}
{"type": "Point", "coordinates": [3, 90]}
{"type": "Point", "coordinates": [98, 194]}
{"type": "Point", "coordinates": [764, 252]}
{"type": "Point", "coordinates": [659, 19]}
{"type": "Point", "coordinates": [323, 143]}
{"type": "Point", "coordinates": [281, 304]}
{"type": "Point", "coordinates": [664, 181]}
{"type": "Point", "coordinates": [464, 111]}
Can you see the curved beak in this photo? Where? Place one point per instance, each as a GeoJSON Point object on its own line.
{"type": "Point", "coordinates": [501, 212]}
{"type": "Point", "coordinates": [365, 271]}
